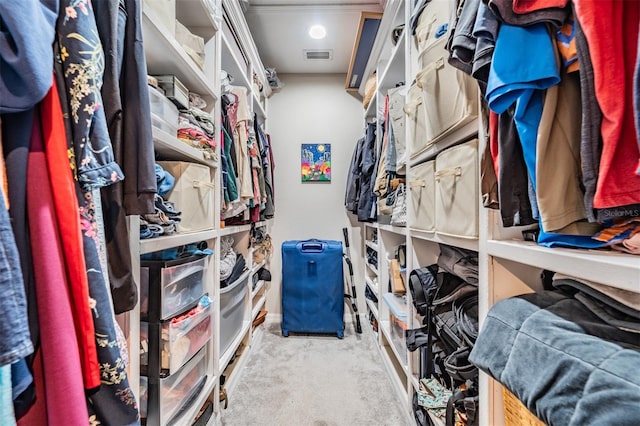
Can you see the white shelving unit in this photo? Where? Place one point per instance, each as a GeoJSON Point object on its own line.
{"type": "Point", "coordinates": [508, 266]}
{"type": "Point", "coordinates": [164, 55]}
{"type": "Point", "coordinates": [168, 146]}
{"type": "Point", "coordinates": [163, 243]}
{"type": "Point", "coordinates": [614, 269]}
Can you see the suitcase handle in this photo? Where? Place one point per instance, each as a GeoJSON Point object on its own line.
{"type": "Point", "coordinates": [312, 247]}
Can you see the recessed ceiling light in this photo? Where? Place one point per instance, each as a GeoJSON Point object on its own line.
{"type": "Point", "coordinates": [317, 31]}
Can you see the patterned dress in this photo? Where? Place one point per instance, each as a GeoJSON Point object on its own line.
{"type": "Point", "coordinates": [91, 157]}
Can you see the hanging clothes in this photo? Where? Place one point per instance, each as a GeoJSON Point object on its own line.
{"type": "Point", "coordinates": [62, 372]}
{"type": "Point", "coordinates": [83, 64]}
{"type": "Point", "coordinates": [241, 143]}
{"type": "Point", "coordinates": [611, 31]}
{"type": "Point", "coordinates": [16, 139]}
{"type": "Point", "coordinates": [25, 52]}
{"type": "Point", "coordinates": [265, 147]}
{"type": "Point", "coordinates": [126, 106]}
{"type": "Point", "coordinates": [352, 191]}
{"type": "Point", "coordinates": [15, 340]}
{"type": "Point", "coordinates": [503, 9]}
{"type": "Point", "coordinates": [81, 55]}
{"type": "Point", "coordinates": [366, 199]}
{"type": "Point", "coordinates": [6, 402]}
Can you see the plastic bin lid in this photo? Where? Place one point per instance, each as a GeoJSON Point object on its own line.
{"type": "Point", "coordinates": [397, 304]}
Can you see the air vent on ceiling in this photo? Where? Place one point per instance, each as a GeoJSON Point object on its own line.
{"type": "Point", "coordinates": [318, 54]}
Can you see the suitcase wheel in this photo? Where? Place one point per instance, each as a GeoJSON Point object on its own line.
{"type": "Point", "coordinates": [285, 333]}
{"type": "Point", "coordinates": [340, 334]}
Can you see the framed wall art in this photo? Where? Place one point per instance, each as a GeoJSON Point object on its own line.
{"type": "Point", "coordinates": [315, 162]}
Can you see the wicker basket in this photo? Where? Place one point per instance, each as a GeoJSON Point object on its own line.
{"type": "Point", "coordinates": [515, 413]}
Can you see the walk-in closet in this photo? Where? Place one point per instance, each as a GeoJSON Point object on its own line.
{"type": "Point", "coordinates": [306, 213]}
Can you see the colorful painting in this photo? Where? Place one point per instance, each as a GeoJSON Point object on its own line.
{"type": "Point", "coordinates": [316, 162]}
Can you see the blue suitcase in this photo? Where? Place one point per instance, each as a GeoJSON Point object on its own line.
{"type": "Point", "coordinates": [312, 287]}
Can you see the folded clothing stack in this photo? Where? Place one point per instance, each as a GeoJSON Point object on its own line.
{"type": "Point", "coordinates": [568, 354]}
{"type": "Point", "coordinates": [165, 217]}
{"type": "Point", "coordinates": [196, 127]}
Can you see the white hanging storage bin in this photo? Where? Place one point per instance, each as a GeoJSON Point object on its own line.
{"type": "Point", "coordinates": [398, 122]}
{"type": "Point", "coordinates": [456, 177]}
{"type": "Point", "coordinates": [192, 194]}
{"type": "Point", "coordinates": [448, 94]}
{"type": "Point", "coordinates": [423, 196]}
{"type": "Point", "coordinates": [414, 109]}
{"type": "Point", "coordinates": [433, 25]}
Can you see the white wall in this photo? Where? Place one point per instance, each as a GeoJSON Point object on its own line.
{"type": "Point", "coordinates": [312, 108]}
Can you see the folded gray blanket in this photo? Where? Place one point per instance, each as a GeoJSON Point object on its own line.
{"type": "Point", "coordinates": [563, 362]}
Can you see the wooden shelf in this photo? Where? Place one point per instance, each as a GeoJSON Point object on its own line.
{"type": "Point", "coordinates": [386, 330]}
{"type": "Point", "coordinates": [258, 306]}
{"type": "Point", "coordinates": [373, 286]}
{"type": "Point", "coordinates": [258, 108]}
{"type": "Point", "coordinates": [234, 66]}
{"type": "Point", "coordinates": [372, 108]}
{"type": "Point", "coordinates": [466, 243]}
{"type": "Point", "coordinates": [259, 286]}
{"type": "Point", "coordinates": [165, 56]}
{"type": "Point", "coordinates": [415, 382]}
{"type": "Point", "coordinates": [373, 268]}
{"type": "Point", "coordinates": [373, 308]}
{"type": "Point", "coordinates": [171, 148]}
{"type": "Point", "coordinates": [198, 17]}
{"type": "Point", "coordinates": [402, 230]}
{"type": "Point", "coordinates": [233, 229]}
{"type": "Point", "coordinates": [256, 268]}
{"type": "Point", "coordinates": [393, 73]}
{"type": "Point", "coordinates": [162, 243]}
{"type": "Point", "coordinates": [606, 267]}
{"type": "Point", "coordinates": [371, 245]}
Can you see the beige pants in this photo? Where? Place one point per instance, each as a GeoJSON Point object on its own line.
{"type": "Point", "coordinates": [560, 197]}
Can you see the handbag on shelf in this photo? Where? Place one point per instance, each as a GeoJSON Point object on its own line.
{"type": "Point", "coordinates": [399, 214]}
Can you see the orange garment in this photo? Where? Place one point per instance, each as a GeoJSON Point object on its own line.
{"type": "Point", "coordinates": [66, 206]}
{"type": "Point", "coordinates": [611, 29]}
{"type": "Point", "coordinates": [566, 42]}
{"type": "Point", "coordinates": [528, 6]}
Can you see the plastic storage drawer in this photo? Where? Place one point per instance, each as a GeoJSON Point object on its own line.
{"type": "Point", "coordinates": [397, 322]}
{"type": "Point", "coordinates": [232, 304]}
{"type": "Point", "coordinates": [164, 113]}
{"type": "Point", "coordinates": [167, 288]}
{"type": "Point", "coordinates": [162, 401]}
{"type": "Point", "coordinates": [179, 338]}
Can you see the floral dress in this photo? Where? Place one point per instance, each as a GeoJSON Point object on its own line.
{"type": "Point", "coordinates": [91, 159]}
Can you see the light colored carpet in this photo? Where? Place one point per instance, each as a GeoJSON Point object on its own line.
{"type": "Point", "coordinates": [314, 381]}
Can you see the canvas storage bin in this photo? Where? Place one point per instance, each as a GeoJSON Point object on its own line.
{"type": "Point", "coordinates": [192, 194]}
{"type": "Point", "coordinates": [398, 122]}
{"type": "Point", "coordinates": [422, 185]}
{"type": "Point", "coordinates": [433, 25]}
{"type": "Point", "coordinates": [456, 177]}
{"type": "Point", "coordinates": [414, 109]}
{"type": "Point", "coordinates": [450, 96]}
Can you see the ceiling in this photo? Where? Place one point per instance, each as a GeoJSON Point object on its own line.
{"type": "Point", "coordinates": [280, 31]}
